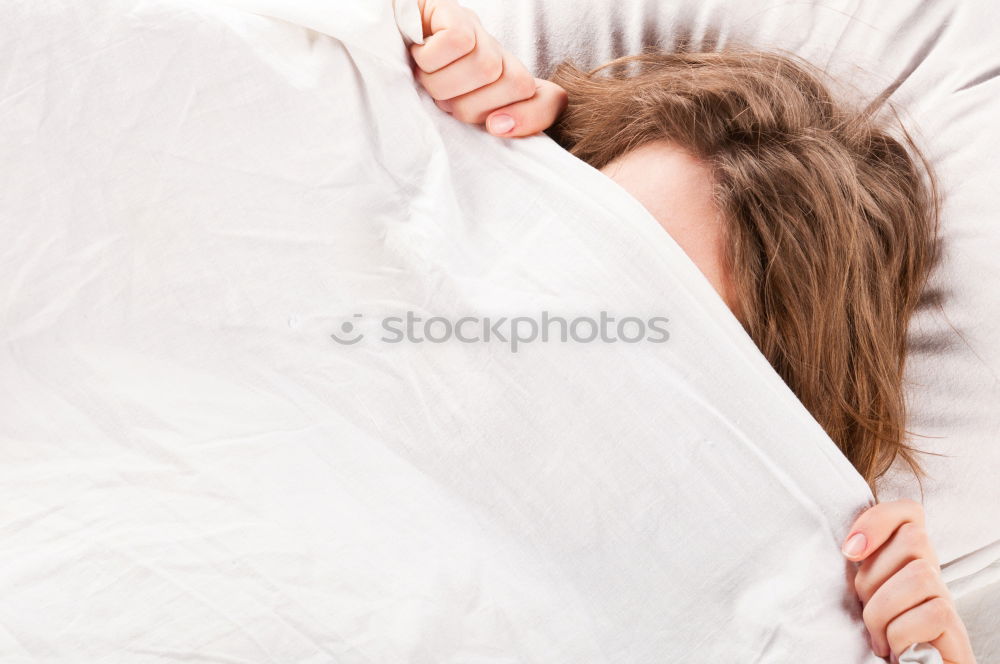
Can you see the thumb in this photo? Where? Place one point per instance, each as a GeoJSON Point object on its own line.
{"type": "Point", "coordinates": [530, 116]}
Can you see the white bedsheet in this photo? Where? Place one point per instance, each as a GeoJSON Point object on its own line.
{"type": "Point", "coordinates": [191, 469]}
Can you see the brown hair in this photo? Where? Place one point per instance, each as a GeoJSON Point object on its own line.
{"type": "Point", "coordinates": [830, 221]}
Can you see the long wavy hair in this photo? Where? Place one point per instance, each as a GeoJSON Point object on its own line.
{"type": "Point", "coordinates": [830, 219]}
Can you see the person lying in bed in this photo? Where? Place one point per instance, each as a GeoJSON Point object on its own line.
{"type": "Point", "coordinates": [815, 225]}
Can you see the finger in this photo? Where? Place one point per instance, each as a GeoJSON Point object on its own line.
{"type": "Point", "coordinates": [908, 543]}
{"type": "Point", "coordinates": [877, 524]}
{"type": "Point", "coordinates": [516, 84]}
{"type": "Point", "coordinates": [481, 67]}
{"type": "Point", "coordinates": [916, 583]}
{"type": "Point", "coordinates": [444, 9]}
{"type": "Point", "coordinates": [451, 34]}
{"type": "Point", "coordinates": [934, 622]}
{"type": "Point", "coordinates": [529, 117]}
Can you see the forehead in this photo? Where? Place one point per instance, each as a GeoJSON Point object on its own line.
{"type": "Point", "coordinates": [677, 189]}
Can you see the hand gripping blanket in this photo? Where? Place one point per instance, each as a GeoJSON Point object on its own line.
{"type": "Point", "coordinates": [295, 368]}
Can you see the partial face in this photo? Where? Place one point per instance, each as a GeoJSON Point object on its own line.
{"type": "Point", "coordinates": [676, 188]}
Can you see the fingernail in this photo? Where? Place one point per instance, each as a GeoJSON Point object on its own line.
{"type": "Point", "coordinates": [500, 124]}
{"type": "Point", "coordinates": [854, 545]}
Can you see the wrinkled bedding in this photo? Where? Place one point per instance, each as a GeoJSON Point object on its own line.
{"type": "Point", "coordinates": [196, 201]}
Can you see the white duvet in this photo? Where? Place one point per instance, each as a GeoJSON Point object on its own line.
{"type": "Point", "coordinates": [195, 200]}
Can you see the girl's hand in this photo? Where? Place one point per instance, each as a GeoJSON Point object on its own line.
{"type": "Point", "coordinates": [899, 583]}
{"type": "Point", "coordinates": [474, 79]}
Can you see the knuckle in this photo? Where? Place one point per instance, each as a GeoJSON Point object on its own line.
{"type": "Point", "coordinates": [428, 83]}
{"type": "Point", "coordinates": [898, 636]}
{"type": "Point", "coordinates": [462, 39]}
{"type": "Point", "coordinates": [869, 614]}
{"type": "Point", "coordinates": [436, 93]}
{"type": "Point", "coordinates": [862, 586]}
{"type": "Point", "coordinates": [562, 97]}
{"type": "Point", "coordinates": [920, 624]}
{"type": "Point", "coordinates": [921, 570]}
{"type": "Point", "coordinates": [523, 86]}
{"type": "Point", "coordinates": [913, 535]}
{"type": "Point", "coordinates": [467, 110]}
{"type": "Point", "coordinates": [939, 610]}
{"type": "Point", "coordinates": [895, 632]}
{"type": "Point", "coordinates": [490, 66]}
{"type": "Point", "coordinates": [463, 113]}
{"type": "Point", "coordinates": [459, 114]}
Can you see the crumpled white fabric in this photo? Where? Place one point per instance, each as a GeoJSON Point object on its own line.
{"type": "Point", "coordinates": [195, 200]}
{"type": "Point", "coordinates": [921, 653]}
